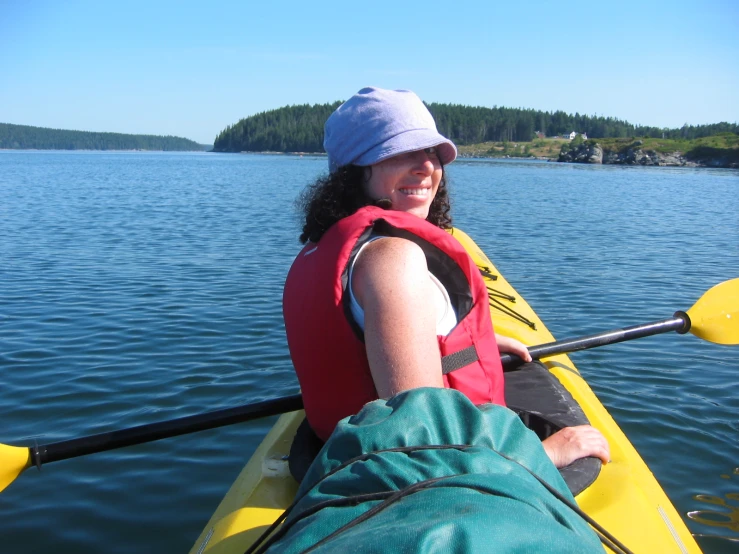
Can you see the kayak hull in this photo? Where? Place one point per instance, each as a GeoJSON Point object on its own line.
{"type": "Point", "coordinates": [625, 499]}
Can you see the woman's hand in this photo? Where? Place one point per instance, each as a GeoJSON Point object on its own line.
{"type": "Point", "coordinates": [572, 443]}
{"type": "Point", "coordinates": [512, 346]}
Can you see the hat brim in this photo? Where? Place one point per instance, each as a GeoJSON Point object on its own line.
{"type": "Point", "coordinates": [409, 141]}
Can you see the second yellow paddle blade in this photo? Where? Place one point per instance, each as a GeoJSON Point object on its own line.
{"type": "Point", "coordinates": [13, 460]}
{"type": "Point", "coordinates": [715, 317]}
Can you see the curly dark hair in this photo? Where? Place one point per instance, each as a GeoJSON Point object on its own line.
{"type": "Point", "coordinates": [340, 194]}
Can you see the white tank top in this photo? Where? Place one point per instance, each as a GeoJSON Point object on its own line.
{"type": "Point", "coordinates": [446, 319]}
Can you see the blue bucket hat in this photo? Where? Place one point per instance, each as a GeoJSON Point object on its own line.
{"type": "Point", "coordinates": [376, 124]}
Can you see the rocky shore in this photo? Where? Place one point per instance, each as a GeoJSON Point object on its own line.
{"type": "Point", "coordinates": [593, 153]}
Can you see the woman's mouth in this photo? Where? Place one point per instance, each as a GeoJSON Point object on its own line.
{"type": "Point", "coordinates": [415, 191]}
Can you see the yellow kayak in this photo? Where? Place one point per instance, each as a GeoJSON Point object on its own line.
{"type": "Point", "coordinates": [625, 498]}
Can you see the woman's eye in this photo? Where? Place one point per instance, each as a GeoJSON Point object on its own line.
{"type": "Point", "coordinates": [431, 151]}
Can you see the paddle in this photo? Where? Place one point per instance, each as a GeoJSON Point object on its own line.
{"type": "Point", "coordinates": [715, 317]}
{"type": "Point", "coordinates": [15, 459]}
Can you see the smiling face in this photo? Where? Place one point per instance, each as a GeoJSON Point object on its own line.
{"type": "Point", "coordinates": [409, 181]}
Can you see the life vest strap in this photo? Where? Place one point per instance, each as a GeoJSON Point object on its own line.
{"type": "Point", "coordinates": [458, 360]}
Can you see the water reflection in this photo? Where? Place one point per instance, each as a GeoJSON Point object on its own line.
{"type": "Point", "coordinates": [723, 514]}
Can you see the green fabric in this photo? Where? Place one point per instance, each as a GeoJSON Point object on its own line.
{"type": "Point", "coordinates": [518, 514]}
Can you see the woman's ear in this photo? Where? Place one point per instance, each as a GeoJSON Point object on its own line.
{"type": "Point", "coordinates": [366, 176]}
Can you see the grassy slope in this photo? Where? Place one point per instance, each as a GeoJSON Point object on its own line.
{"type": "Point", "coordinates": [539, 148]}
{"type": "Point", "coordinates": [714, 146]}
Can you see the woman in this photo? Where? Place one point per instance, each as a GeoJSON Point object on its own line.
{"type": "Point", "coordinates": [381, 299]}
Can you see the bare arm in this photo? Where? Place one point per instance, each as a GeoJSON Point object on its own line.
{"type": "Point", "coordinates": [390, 281]}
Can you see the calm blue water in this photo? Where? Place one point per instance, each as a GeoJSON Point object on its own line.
{"type": "Point", "coordinates": [140, 287]}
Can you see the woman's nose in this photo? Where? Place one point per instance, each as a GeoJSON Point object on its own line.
{"type": "Point", "coordinates": [423, 162]}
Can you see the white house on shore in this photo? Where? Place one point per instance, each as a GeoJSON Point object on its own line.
{"type": "Point", "coordinates": [571, 136]}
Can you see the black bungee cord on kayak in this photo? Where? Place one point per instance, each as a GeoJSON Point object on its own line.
{"type": "Point", "coordinates": [495, 295]}
{"type": "Point", "coordinates": [486, 272]}
{"type": "Point", "coordinates": [497, 304]}
{"type": "Point", "coordinates": [390, 497]}
{"type": "Point", "coordinates": [492, 293]}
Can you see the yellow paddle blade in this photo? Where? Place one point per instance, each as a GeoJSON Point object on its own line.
{"type": "Point", "coordinates": [13, 460]}
{"type": "Point", "coordinates": [715, 317]}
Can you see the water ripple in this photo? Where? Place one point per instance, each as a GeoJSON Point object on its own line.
{"type": "Point", "coordinates": [140, 287]}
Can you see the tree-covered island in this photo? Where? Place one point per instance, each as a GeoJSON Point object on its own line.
{"type": "Point", "coordinates": [25, 137]}
{"type": "Point", "coordinates": [496, 132]}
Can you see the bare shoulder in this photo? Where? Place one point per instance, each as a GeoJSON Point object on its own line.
{"type": "Point", "coordinates": [391, 254]}
{"type": "Point", "coordinates": [389, 262]}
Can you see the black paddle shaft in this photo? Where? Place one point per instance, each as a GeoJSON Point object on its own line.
{"type": "Point", "coordinates": [154, 431]}
{"type": "Point", "coordinates": [63, 450]}
{"type": "Point", "coordinates": [680, 322]}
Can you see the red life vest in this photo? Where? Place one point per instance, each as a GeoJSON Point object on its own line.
{"type": "Point", "coordinates": [326, 344]}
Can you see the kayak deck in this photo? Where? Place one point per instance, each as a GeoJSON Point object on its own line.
{"type": "Point", "coordinates": [625, 498]}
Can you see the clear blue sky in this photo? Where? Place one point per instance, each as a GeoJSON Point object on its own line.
{"type": "Point", "coordinates": [192, 68]}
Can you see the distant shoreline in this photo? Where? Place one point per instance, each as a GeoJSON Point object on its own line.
{"type": "Point", "coordinates": [586, 154]}
{"type": "Point", "coordinates": [94, 150]}
{"type": "Point", "coordinates": [27, 137]}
